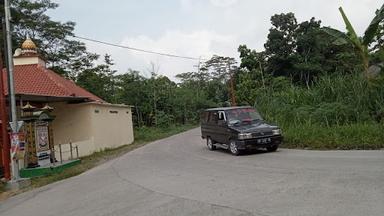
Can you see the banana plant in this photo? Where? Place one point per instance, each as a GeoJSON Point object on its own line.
{"type": "Point", "coordinates": [361, 44]}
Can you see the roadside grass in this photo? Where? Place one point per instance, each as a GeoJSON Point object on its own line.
{"type": "Point", "coordinates": [143, 136]}
{"type": "Point", "coordinates": [359, 136]}
{"type": "Point", "coordinates": [2, 186]}
{"type": "Point", "coordinates": [337, 111]}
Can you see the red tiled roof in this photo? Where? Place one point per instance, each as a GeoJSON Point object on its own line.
{"type": "Point", "coordinates": [34, 79]}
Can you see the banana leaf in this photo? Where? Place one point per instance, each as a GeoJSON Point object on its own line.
{"type": "Point", "coordinates": [351, 31]}
{"type": "Point", "coordinates": [340, 37]}
{"type": "Point", "coordinates": [373, 27]}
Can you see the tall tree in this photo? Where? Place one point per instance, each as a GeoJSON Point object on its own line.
{"type": "Point", "coordinates": [281, 43]}
{"type": "Point", "coordinates": [308, 57]}
{"type": "Point", "coordinates": [223, 70]}
{"type": "Point", "coordinates": [100, 80]}
{"type": "Point", "coordinates": [302, 51]}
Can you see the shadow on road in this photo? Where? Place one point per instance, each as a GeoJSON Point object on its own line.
{"type": "Point", "coordinates": [246, 153]}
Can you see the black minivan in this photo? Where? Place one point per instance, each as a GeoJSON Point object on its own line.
{"type": "Point", "coordinates": [238, 129]}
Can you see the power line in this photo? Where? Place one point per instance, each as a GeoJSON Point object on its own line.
{"type": "Point", "coordinates": [138, 49]}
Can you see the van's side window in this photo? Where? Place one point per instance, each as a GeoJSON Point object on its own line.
{"type": "Point", "coordinates": [204, 117]}
{"type": "Point", "coordinates": [213, 117]}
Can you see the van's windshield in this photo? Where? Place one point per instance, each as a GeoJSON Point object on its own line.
{"type": "Point", "coordinates": [242, 115]}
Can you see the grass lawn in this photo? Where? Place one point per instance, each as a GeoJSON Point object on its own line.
{"type": "Point", "coordinates": [143, 136]}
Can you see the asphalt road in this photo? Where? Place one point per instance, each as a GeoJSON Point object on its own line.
{"type": "Point", "coordinates": [179, 176]}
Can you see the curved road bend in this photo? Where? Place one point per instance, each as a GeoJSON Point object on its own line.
{"type": "Point", "coordinates": [179, 176]}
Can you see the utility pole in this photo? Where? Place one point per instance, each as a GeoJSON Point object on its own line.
{"type": "Point", "coordinates": [4, 118]}
{"type": "Point", "coordinates": [14, 123]}
{"type": "Point", "coordinates": [232, 84]}
{"type": "Point", "coordinates": [198, 74]}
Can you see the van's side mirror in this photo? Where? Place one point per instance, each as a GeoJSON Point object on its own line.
{"type": "Point", "coordinates": [221, 116]}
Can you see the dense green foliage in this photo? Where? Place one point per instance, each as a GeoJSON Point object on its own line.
{"type": "Point", "coordinates": [309, 79]}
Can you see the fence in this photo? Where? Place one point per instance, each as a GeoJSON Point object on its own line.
{"type": "Point", "coordinates": [67, 152]}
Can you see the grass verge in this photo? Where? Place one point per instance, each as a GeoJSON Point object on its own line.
{"type": "Point", "coordinates": [367, 136]}
{"type": "Point", "coordinates": [143, 136]}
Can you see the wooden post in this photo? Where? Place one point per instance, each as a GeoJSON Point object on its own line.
{"type": "Point", "coordinates": [70, 149]}
{"type": "Point", "coordinates": [77, 152]}
{"type": "Point", "coordinates": [61, 154]}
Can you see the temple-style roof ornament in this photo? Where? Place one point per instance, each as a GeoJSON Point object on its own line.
{"type": "Point", "coordinates": [28, 47]}
{"type": "Point", "coordinates": [47, 108]}
{"type": "Point", "coordinates": [28, 107]}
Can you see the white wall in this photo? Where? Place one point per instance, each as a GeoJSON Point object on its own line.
{"type": "Point", "coordinates": [27, 60]}
{"type": "Point", "coordinates": [91, 127]}
{"type": "Point", "coordinates": [111, 126]}
{"type": "Point", "coordinates": [73, 123]}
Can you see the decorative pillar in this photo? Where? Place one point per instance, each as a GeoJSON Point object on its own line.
{"type": "Point", "coordinates": [39, 143]}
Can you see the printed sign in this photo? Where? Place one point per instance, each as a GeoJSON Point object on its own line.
{"type": "Point", "coordinates": [17, 143]}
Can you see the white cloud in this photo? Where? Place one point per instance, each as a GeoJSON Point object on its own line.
{"type": "Point", "coordinates": [203, 28]}
{"type": "Point", "coordinates": [186, 4]}
{"type": "Point", "coordinates": [223, 3]}
{"type": "Point", "coordinates": [191, 5]}
{"type": "Point", "coordinates": [201, 43]}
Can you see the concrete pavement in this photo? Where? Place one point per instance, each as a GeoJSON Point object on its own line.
{"type": "Point", "coordinates": [179, 176]}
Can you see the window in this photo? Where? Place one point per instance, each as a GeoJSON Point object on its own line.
{"type": "Point", "coordinates": [204, 117]}
{"type": "Point", "coordinates": [242, 115]}
{"type": "Point", "coordinates": [213, 117]}
{"type": "Point", "coordinates": [113, 111]}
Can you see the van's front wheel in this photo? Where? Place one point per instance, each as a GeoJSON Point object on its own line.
{"type": "Point", "coordinates": [210, 144]}
{"type": "Point", "coordinates": [233, 148]}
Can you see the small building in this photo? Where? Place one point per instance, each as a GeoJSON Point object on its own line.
{"type": "Point", "coordinates": [80, 118]}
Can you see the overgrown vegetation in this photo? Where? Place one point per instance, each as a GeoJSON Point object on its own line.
{"type": "Point", "coordinates": [330, 114]}
{"type": "Point", "coordinates": [324, 87]}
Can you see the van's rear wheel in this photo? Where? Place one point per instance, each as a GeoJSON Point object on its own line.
{"type": "Point", "coordinates": [272, 148]}
{"type": "Point", "coordinates": [210, 144]}
{"type": "Point", "coordinates": [233, 148]}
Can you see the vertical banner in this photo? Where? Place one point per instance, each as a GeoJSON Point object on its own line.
{"type": "Point", "coordinates": [17, 143]}
{"type": "Point", "coordinates": [14, 137]}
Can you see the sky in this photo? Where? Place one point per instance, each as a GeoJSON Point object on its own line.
{"type": "Point", "coordinates": [196, 28]}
